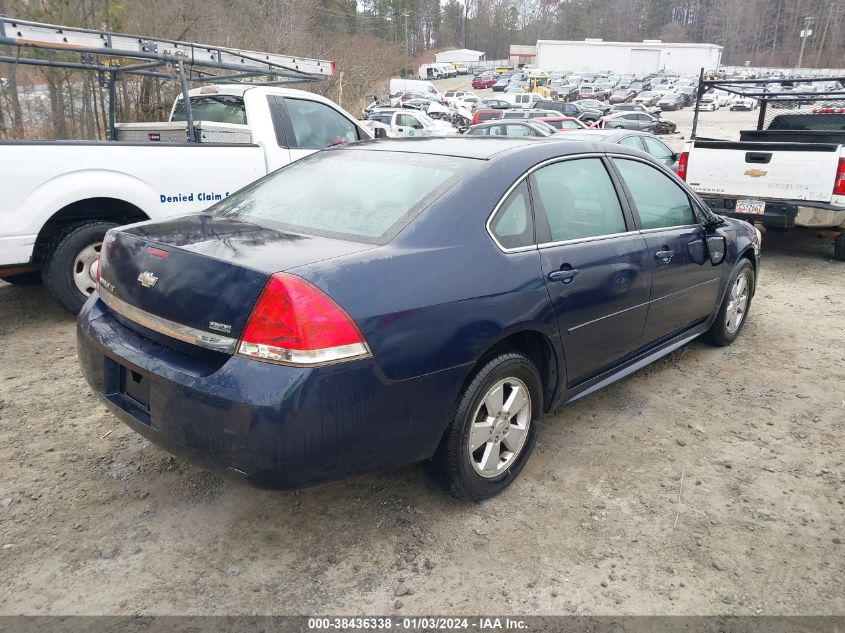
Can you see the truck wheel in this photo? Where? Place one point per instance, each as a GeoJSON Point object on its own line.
{"type": "Point", "coordinates": [492, 429]}
{"type": "Point", "coordinates": [839, 248]}
{"type": "Point", "coordinates": [24, 279]}
{"type": "Point", "coordinates": [70, 268]}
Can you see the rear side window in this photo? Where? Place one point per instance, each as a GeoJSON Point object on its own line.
{"type": "Point", "coordinates": [659, 201]}
{"type": "Point", "coordinates": [632, 141]}
{"type": "Point", "coordinates": [342, 193]}
{"type": "Point", "coordinates": [657, 149]}
{"type": "Point", "coordinates": [214, 108]}
{"type": "Point", "coordinates": [578, 199]}
{"type": "Point", "coordinates": [316, 125]}
{"type": "Point", "coordinates": [518, 130]}
{"type": "Point", "coordinates": [487, 116]}
{"type": "Point", "coordinates": [513, 224]}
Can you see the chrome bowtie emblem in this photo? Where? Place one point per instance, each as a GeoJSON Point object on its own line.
{"type": "Point", "coordinates": [147, 279]}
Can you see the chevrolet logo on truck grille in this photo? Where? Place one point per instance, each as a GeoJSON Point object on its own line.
{"type": "Point", "coordinates": [756, 173]}
{"type": "Point", "coordinates": [147, 279]}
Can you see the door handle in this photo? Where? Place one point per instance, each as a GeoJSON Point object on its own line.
{"type": "Point", "coordinates": [566, 276]}
{"type": "Point", "coordinates": [665, 255]}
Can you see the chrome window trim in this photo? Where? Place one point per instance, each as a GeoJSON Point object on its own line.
{"type": "Point", "coordinates": [582, 240]}
{"type": "Point", "coordinates": [184, 333]}
{"type": "Point", "coordinates": [671, 228]}
{"type": "Point", "coordinates": [525, 176]}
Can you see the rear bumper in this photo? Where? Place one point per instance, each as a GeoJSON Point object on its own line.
{"type": "Point", "coordinates": [269, 425]}
{"type": "Point", "coordinates": [785, 214]}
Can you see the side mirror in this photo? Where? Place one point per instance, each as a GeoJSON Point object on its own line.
{"type": "Point", "coordinates": [380, 132]}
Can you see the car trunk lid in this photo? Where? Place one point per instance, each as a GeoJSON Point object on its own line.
{"type": "Point", "coordinates": [197, 278]}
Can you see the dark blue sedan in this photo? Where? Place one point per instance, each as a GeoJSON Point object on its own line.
{"type": "Point", "coordinates": [400, 301]}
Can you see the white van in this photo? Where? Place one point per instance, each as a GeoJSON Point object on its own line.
{"type": "Point", "coordinates": [447, 70]}
{"type": "Point", "coordinates": [523, 100]}
{"type": "Point", "coordinates": [431, 71]}
{"type": "Point", "coordinates": [414, 85]}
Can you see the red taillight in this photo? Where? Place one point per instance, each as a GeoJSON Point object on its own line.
{"type": "Point", "coordinates": [296, 323]}
{"type": "Point", "coordinates": [683, 163]}
{"type": "Point", "coordinates": [105, 250]}
{"type": "Point", "coordinates": [839, 183]}
{"type": "Point", "coordinates": [157, 252]}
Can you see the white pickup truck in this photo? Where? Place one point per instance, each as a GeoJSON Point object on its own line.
{"type": "Point", "coordinates": [60, 197]}
{"type": "Point", "coordinates": [402, 122]}
{"type": "Point", "coordinates": [789, 172]}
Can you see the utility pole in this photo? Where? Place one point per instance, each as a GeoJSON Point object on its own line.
{"type": "Point", "coordinates": [407, 41]}
{"type": "Point", "coordinates": [805, 33]}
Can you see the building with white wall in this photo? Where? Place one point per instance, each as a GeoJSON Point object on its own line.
{"type": "Point", "coordinates": [459, 55]}
{"type": "Point", "coordinates": [639, 58]}
{"type": "Point", "coordinates": [521, 54]}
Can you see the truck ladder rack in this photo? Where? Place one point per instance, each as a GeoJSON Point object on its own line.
{"type": "Point", "coordinates": [104, 51]}
{"type": "Point", "coordinates": [197, 57]}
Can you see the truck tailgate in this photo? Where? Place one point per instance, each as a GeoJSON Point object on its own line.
{"type": "Point", "coordinates": [774, 171]}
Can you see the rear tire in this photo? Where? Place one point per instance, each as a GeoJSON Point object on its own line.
{"type": "Point", "coordinates": [735, 305]}
{"type": "Point", "coordinates": [23, 279]}
{"type": "Point", "coordinates": [839, 248]}
{"type": "Point", "coordinates": [492, 429]}
{"type": "Point", "coordinates": [69, 272]}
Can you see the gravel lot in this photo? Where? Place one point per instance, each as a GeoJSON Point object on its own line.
{"type": "Point", "coordinates": [709, 482]}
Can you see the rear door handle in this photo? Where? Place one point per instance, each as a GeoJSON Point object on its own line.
{"type": "Point", "coordinates": [665, 255]}
{"type": "Point", "coordinates": [566, 276]}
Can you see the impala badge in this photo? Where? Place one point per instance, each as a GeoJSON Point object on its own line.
{"type": "Point", "coordinates": [756, 173]}
{"type": "Point", "coordinates": [220, 327]}
{"type": "Point", "coordinates": [147, 279]}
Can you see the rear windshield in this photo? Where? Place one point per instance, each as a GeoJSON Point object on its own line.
{"type": "Point", "coordinates": [216, 108]}
{"type": "Point", "coordinates": [359, 195]}
{"type": "Point", "coordinates": [809, 122]}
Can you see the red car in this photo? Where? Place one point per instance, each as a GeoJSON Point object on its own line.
{"type": "Point", "coordinates": [484, 81]}
{"type": "Point", "coordinates": [486, 114]}
{"type": "Point", "coordinates": [563, 123]}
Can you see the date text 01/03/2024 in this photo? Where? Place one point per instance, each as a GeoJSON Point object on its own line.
{"type": "Point", "coordinates": [418, 623]}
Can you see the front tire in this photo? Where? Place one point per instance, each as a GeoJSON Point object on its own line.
{"type": "Point", "coordinates": [70, 269]}
{"type": "Point", "coordinates": [735, 305]}
{"type": "Point", "coordinates": [492, 429]}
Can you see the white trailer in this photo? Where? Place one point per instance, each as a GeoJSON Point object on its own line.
{"type": "Point", "coordinates": [639, 58]}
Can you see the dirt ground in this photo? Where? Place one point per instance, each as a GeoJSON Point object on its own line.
{"type": "Point", "coordinates": [710, 482]}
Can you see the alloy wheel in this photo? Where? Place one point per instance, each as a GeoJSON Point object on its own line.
{"type": "Point", "coordinates": [737, 304]}
{"type": "Point", "coordinates": [499, 427]}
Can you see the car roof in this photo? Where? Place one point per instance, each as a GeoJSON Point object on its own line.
{"type": "Point", "coordinates": [512, 121]}
{"type": "Point", "coordinates": [599, 135]}
{"type": "Point", "coordinates": [483, 147]}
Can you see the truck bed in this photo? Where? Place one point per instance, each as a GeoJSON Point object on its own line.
{"type": "Point", "coordinates": [823, 137]}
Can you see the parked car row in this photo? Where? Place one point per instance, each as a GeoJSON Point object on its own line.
{"type": "Point", "coordinates": [657, 92]}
